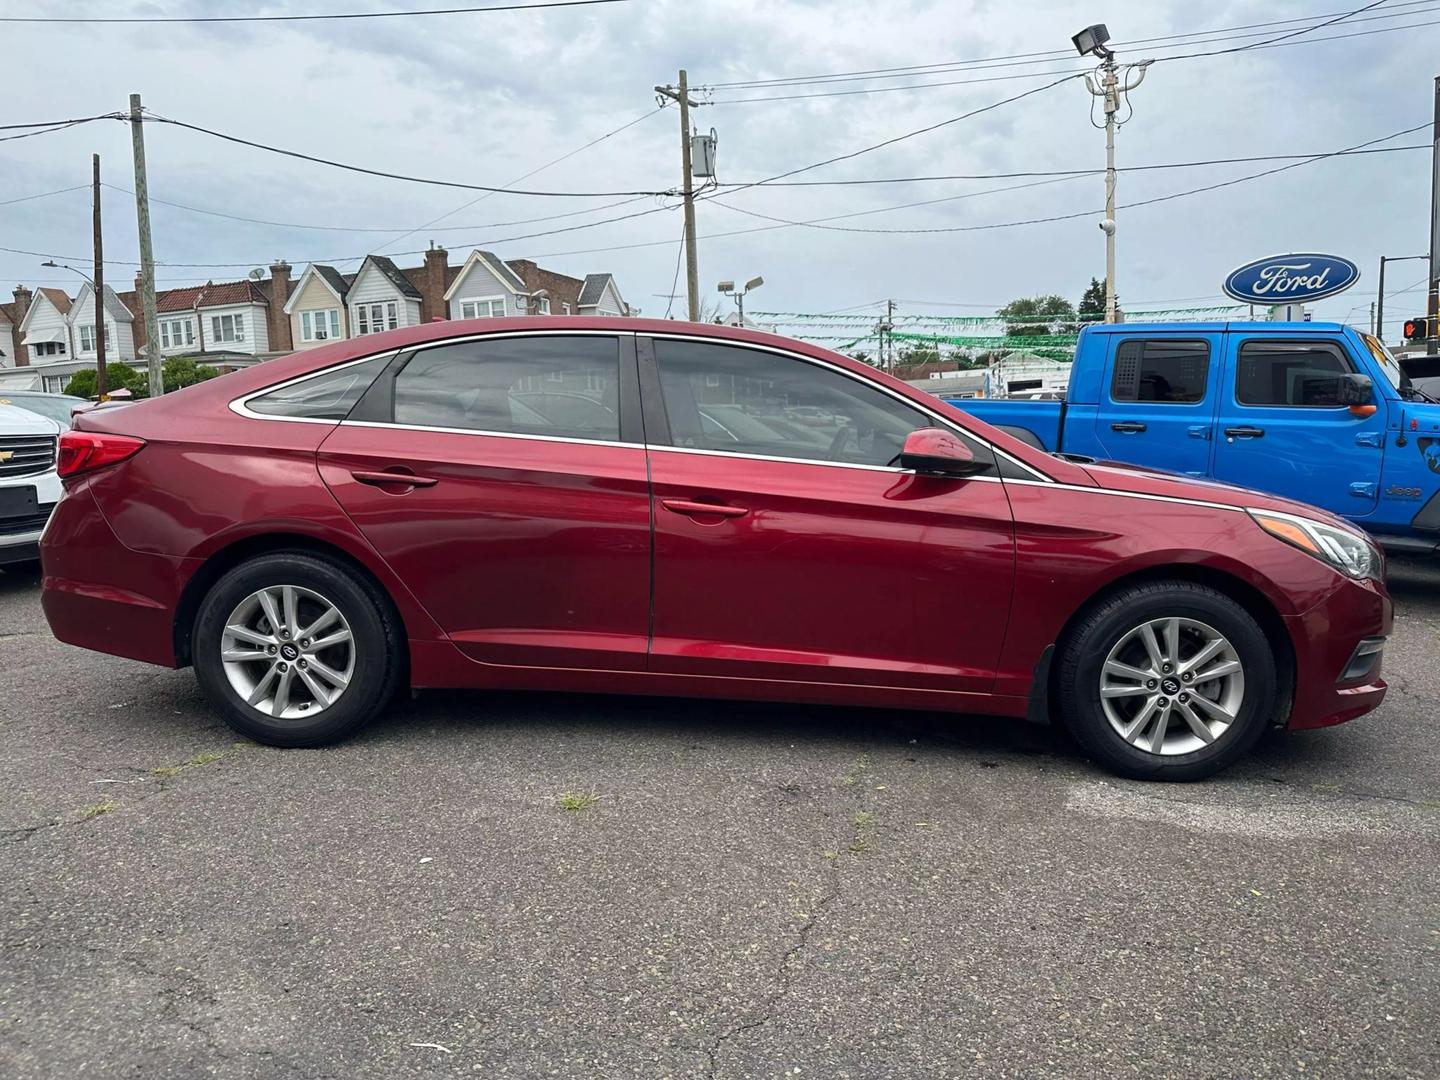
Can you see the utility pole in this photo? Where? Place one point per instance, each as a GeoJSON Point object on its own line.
{"type": "Point", "coordinates": [1092, 41]}
{"type": "Point", "coordinates": [147, 253]}
{"type": "Point", "coordinates": [1432, 309]}
{"type": "Point", "coordinates": [882, 330]}
{"type": "Point", "coordinates": [681, 93]}
{"type": "Point", "coordinates": [100, 387]}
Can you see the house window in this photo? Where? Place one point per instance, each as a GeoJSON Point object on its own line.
{"type": "Point", "coordinates": [227, 328]}
{"type": "Point", "coordinates": [55, 384]}
{"type": "Point", "coordinates": [376, 318]}
{"type": "Point", "coordinates": [492, 308]}
{"type": "Point", "coordinates": [320, 325]}
{"type": "Point", "coordinates": [87, 338]}
{"type": "Point", "coordinates": [542, 305]}
{"type": "Point", "coordinates": [565, 308]}
{"type": "Point", "coordinates": [49, 348]}
{"type": "Point", "coordinates": [176, 333]}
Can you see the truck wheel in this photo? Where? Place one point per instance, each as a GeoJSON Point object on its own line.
{"type": "Point", "coordinates": [1167, 680]}
{"type": "Point", "coordinates": [296, 650]}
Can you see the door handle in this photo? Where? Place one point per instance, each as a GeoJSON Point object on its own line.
{"type": "Point", "coordinates": [695, 509]}
{"type": "Point", "coordinates": [1244, 432]}
{"type": "Point", "coordinates": [394, 479]}
{"type": "Point", "coordinates": [1128, 426]}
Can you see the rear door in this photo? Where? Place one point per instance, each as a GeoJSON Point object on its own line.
{"type": "Point", "coordinates": [1282, 427]}
{"type": "Point", "coordinates": [503, 479]}
{"type": "Point", "coordinates": [1159, 400]}
{"type": "Point", "coordinates": [789, 546]}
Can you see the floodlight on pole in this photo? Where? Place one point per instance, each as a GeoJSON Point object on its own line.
{"type": "Point", "coordinates": [1092, 40]}
{"type": "Point", "coordinates": [738, 295]}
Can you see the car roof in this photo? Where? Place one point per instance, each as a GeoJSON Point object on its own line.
{"type": "Point", "coordinates": [1220, 326]}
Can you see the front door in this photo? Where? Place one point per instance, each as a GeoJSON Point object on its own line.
{"type": "Point", "coordinates": [787, 546]}
{"type": "Point", "coordinates": [1161, 407]}
{"type": "Point", "coordinates": [1282, 427]}
{"type": "Point", "coordinates": [500, 480]}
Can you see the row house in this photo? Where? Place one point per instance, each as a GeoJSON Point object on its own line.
{"type": "Point", "coordinates": [46, 336]}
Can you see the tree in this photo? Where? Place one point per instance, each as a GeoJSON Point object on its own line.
{"type": "Point", "coordinates": [1092, 304]}
{"type": "Point", "coordinates": [1037, 316]}
{"type": "Point", "coordinates": [181, 371]}
{"type": "Point", "coordinates": [117, 376]}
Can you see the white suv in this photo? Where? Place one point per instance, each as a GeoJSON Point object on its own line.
{"type": "Point", "coordinates": [29, 486]}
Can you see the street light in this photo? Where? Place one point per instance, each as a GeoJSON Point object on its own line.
{"type": "Point", "coordinates": [99, 303]}
{"type": "Point", "coordinates": [728, 288]}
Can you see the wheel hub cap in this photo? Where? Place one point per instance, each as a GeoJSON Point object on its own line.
{"type": "Point", "coordinates": [288, 652]}
{"type": "Point", "coordinates": [1172, 686]}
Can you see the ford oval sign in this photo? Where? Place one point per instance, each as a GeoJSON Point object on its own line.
{"type": "Point", "coordinates": [1291, 279]}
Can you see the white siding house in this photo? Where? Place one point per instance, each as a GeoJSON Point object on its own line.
{"type": "Point", "coordinates": [234, 328]}
{"type": "Point", "coordinates": [485, 288]}
{"type": "Point", "coordinates": [119, 327]}
{"type": "Point", "coordinates": [381, 298]}
{"type": "Point", "coordinates": [601, 296]}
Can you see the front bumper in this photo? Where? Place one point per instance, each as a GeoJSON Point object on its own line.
{"type": "Point", "coordinates": [1337, 668]}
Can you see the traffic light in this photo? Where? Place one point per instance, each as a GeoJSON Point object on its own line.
{"type": "Point", "coordinates": [1417, 328]}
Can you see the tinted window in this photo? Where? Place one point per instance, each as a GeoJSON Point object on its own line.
{"type": "Point", "coordinates": [727, 398]}
{"type": "Point", "coordinates": [1161, 371]}
{"type": "Point", "coordinates": [566, 387]}
{"type": "Point", "coordinates": [1291, 373]}
{"type": "Point", "coordinates": [327, 396]}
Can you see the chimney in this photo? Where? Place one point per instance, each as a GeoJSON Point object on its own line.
{"type": "Point", "coordinates": [278, 323]}
{"type": "Point", "coordinates": [22, 308]}
{"type": "Point", "coordinates": [432, 288]}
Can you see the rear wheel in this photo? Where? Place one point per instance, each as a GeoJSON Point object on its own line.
{"type": "Point", "coordinates": [1167, 681]}
{"type": "Point", "coordinates": [296, 650]}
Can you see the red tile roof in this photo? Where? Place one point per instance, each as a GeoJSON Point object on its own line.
{"type": "Point", "coordinates": [212, 294]}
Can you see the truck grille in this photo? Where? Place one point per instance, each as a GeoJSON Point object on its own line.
{"type": "Point", "coordinates": [26, 455]}
{"type": "Point", "coordinates": [19, 525]}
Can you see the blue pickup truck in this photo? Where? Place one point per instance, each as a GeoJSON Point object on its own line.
{"type": "Point", "coordinates": [1317, 412]}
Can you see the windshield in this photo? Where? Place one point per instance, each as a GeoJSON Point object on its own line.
{"type": "Point", "coordinates": [53, 407]}
{"type": "Point", "coordinates": [1388, 364]}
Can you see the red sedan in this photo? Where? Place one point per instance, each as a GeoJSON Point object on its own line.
{"type": "Point", "coordinates": [597, 505]}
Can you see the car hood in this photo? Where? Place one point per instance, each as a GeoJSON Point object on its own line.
{"type": "Point", "coordinates": [17, 421]}
{"type": "Point", "coordinates": [1119, 476]}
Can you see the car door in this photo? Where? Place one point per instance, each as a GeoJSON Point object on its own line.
{"type": "Point", "coordinates": [1283, 429]}
{"type": "Point", "coordinates": [788, 546]}
{"type": "Point", "coordinates": [1162, 391]}
{"type": "Point", "coordinates": [503, 479]}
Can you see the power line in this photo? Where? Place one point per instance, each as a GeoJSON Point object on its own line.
{"type": "Point", "coordinates": [1343, 16]}
{"type": "Point", "coordinates": [44, 194]}
{"type": "Point", "coordinates": [154, 119]}
{"type": "Point", "coordinates": [1394, 11]}
{"type": "Point", "coordinates": [313, 18]}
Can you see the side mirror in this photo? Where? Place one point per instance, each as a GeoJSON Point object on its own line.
{"type": "Point", "coordinates": [937, 452]}
{"type": "Point", "coordinates": [1358, 392]}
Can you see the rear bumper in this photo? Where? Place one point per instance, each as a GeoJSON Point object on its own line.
{"type": "Point", "coordinates": [99, 594]}
{"type": "Point", "coordinates": [19, 549]}
{"type": "Point", "coordinates": [1326, 640]}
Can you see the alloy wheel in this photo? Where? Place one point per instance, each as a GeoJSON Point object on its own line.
{"type": "Point", "coordinates": [1172, 686]}
{"type": "Point", "coordinates": [288, 652]}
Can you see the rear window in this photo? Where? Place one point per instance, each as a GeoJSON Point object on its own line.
{"type": "Point", "coordinates": [330, 395]}
{"type": "Point", "coordinates": [1161, 371]}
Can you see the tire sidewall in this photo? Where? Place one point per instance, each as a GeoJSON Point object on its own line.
{"type": "Point", "coordinates": [370, 684]}
{"type": "Point", "coordinates": [1112, 622]}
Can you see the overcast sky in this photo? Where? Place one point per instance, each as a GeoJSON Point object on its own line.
{"type": "Point", "coordinates": [486, 98]}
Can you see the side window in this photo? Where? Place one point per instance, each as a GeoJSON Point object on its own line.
{"type": "Point", "coordinates": [329, 395]}
{"type": "Point", "coordinates": [732, 399]}
{"type": "Point", "coordinates": [1298, 373]}
{"type": "Point", "coordinates": [1160, 370]}
{"type": "Point", "coordinates": [567, 387]}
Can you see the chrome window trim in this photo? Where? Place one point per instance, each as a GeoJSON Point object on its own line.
{"type": "Point", "coordinates": [240, 405]}
{"type": "Point", "coordinates": [812, 461]}
{"type": "Point", "coordinates": [1131, 495]}
{"type": "Point", "coordinates": [666, 335]}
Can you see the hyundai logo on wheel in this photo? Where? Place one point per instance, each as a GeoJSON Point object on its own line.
{"type": "Point", "coordinates": [1291, 279]}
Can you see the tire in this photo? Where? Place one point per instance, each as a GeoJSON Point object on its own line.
{"type": "Point", "coordinates": [313, 708]}
{"type": "Point", "coordinates": [1104, 691]}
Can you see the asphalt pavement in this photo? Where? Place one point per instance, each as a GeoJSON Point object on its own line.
{"type": "Point", "coordinates": [542, 885]}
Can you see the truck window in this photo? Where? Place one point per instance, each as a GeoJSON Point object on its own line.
{"type": "Point", "coordinates": [1303, 374]}
{"type": "Point", "coordinates": [1161, 370]}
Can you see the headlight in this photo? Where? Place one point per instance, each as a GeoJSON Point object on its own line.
{"type": "Point", "coordinates": [1347, 551]}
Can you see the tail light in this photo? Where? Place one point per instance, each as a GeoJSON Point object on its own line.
{"type": "Point", "coordinates": [85, 451]}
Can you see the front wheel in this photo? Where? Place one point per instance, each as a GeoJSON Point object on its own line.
{"type": "Point", "coordinates": [296, 650]}
{"type": "Point", "coordinates": [1167, 680]}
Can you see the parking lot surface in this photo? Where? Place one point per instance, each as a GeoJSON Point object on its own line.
{"type": "Point", "coordinates": [542, 885]}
